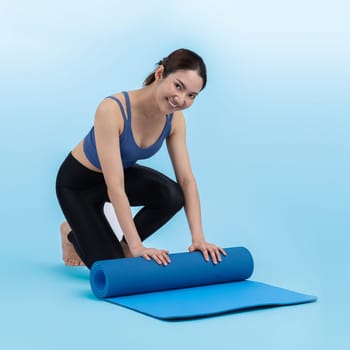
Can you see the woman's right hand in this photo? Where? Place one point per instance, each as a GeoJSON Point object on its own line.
{"type": "Point", "coordinates": [160, 256]}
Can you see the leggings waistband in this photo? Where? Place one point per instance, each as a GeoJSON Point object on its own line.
{"type": "Point", "coordinates": [73, 174]}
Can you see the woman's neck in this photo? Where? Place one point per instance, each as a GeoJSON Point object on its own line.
{"type": "Point", "coordinates": [144, 103]}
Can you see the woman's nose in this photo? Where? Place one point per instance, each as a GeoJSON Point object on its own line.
{"type": "Point", "coordinates": [180, 100]}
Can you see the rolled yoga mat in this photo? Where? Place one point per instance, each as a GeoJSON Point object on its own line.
{"type": "Point", "coordinates": [188, 287]}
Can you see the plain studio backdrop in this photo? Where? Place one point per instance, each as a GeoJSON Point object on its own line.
{"type": "Point", "coordinates": [269, 144]}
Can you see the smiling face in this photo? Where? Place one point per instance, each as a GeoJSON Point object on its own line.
{"type": "Point", "coordinates": [178, 90]}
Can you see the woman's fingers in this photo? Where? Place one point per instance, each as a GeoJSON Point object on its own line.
{"type": "Point", "coordinates": [217, 251]}
{"type": "Point", "coordinates": [222, 251]}
{"type": "Point", "coordinates": [211, 252]}
{"type": "Point", "coordinates": [213, 256]}
{"type": "Point", "coordinates": [205, 254]}
{"type": "Point", "coordinates": [156, 259]}
{"type": "Point", "coordinates": [147, 257]}
{"type": "Point", "coordinates": [161, 257]}
{"type": "Point", "coordinates": [166, 256]}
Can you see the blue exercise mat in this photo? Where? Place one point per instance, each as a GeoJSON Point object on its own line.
{"type": "Point", "coordinates": [188, 287]}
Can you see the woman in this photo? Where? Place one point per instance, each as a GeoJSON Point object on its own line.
{"type": "Point", "coordinates": [130, 126]}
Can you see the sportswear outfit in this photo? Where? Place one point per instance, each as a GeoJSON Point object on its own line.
{"type": "Point", "coordinates": [82, 193]}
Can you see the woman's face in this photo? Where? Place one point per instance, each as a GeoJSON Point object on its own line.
{"type": "Point", "coordinates": [178, 90]}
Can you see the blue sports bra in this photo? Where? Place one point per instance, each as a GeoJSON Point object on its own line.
{"type": "Point", "coordinates": [129, 150]}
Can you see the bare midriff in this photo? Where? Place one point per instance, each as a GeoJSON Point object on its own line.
{"type": "Point", "coordinates": [79, 155]}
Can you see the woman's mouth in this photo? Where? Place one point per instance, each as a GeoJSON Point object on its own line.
{"type": "Point", "coordinates": [172, 103]}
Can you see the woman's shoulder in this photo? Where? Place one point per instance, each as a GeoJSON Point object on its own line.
{"type": "Point", "coordinates": [110, 102]}
{"type": "Point", "coordinates": [118, 95]}
{"type": "Point", "coordinates": [110, 111]}
{"type": "Point", "coordinates": [178, 117]}
{"type": "Point", "coordinates": [177, 123]}
{"type": "Point", "coordinates": [111, 99]}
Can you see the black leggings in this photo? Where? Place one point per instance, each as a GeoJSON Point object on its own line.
{"type": "Point", "coordinates": [82, 194]}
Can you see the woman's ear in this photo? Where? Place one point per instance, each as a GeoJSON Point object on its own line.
{"type": "Point", "coordinates": [158, 73]}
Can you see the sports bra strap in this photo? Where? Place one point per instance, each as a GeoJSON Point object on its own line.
{"type": "Point", "coordinates": [170, 117]}
{"type": "Point", "coordinates": [127, 100]}
{"type": "Point", "coordinates": [120, 106]}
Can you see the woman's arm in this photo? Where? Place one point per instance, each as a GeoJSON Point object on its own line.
{"type": "Point", "coordinates": [108, 127]}
{"type": "Point", "coordinates": [177, 148]}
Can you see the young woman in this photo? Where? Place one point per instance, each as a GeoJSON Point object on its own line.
{"type": "Point", "coordinates": [103, 168]}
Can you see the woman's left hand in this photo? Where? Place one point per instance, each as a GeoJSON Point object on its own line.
{"type": "Point", "coordinates": [208, 249]}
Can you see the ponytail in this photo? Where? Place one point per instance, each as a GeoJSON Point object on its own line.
{"type": "Point", "coordinates": [181, 59]}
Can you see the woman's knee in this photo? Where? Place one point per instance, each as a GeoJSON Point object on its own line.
{"type": "Point", "coordinates": [174, 198]}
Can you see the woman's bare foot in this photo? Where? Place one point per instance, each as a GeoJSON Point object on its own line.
{"type": "Point", "coordinates": [70, 256]}
{"type": "Point", "coordinates": [126, 249]}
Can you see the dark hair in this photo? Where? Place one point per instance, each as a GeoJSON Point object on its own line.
{"type": "Point", "coordinates": [180, 59]}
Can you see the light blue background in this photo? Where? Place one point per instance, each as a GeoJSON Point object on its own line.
{"type": "Point", "coordinates": [269, 143]}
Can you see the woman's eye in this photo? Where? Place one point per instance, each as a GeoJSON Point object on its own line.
{"type": "Point", "coordinates": [178, 86]}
